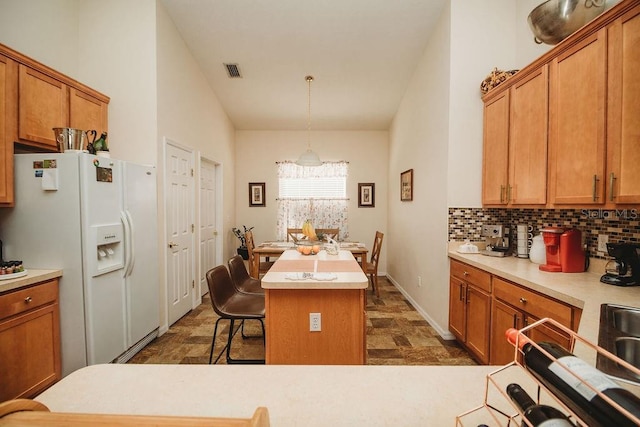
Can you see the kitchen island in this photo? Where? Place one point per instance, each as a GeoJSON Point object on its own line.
{"type": "Point", "coordinates": [329, 287]}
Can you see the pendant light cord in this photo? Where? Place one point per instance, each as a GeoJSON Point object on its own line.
{"type": "Point", "coordinates": [309, 80]}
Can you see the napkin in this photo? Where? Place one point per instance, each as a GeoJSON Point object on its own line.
{"type": "Point", "coordinates": [311, 276]}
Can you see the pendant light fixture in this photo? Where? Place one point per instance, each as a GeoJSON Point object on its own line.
{"type": "Point", "coordinates": [309, 157]}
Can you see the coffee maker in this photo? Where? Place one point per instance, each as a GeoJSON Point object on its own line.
{"type": "Point", "coordinates": [497, 240]}
{"type": "Point", "coordinates": [564, 250]}
{"type": "Point", "coordinates": [624, 269]}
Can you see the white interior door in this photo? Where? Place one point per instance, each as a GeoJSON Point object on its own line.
{"type": "Point", "coordinates": [179, 231]}
{"type": "Point", "coordinates": [208, 230]}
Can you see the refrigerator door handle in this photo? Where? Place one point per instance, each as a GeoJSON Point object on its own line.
{"type": "Point", "coordinates": [131, 243]}
{"type": "Point", "coordinates": [127, 243]}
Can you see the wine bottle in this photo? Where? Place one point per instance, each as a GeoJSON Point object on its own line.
{"type": "Point", "coordinates": [537, 415]}
{"type": "Point", "coordinates": [590, 406]}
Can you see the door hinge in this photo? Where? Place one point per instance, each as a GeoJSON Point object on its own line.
{"type": "Point", "coordinates": [193, 228]}
{"type": "Point", "coordinates": [191, 171]}
{"type": "Point", "coordinates": [193, 284]}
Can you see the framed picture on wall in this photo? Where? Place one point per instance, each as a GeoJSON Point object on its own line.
{"type": "Point", "coordinates": [256, 194]}
{"type": "Point", "coordinates": [406, 186]}
{"type": "Point", "coordinates": [367, 195]}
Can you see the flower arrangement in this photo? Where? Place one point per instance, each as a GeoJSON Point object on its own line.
{"type": "Point", "coordinates": [240, 235]}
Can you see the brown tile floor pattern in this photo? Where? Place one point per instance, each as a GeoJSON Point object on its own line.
{"type": "Point", "coordinates": [396, 335]}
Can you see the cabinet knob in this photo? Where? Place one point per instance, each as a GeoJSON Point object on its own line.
{"type": "Point", "coordinates": [523, 300]}
{"type": "Point", "coordinates": [465, 273]}
{"type": "Point", "coordinates": [27, 300]}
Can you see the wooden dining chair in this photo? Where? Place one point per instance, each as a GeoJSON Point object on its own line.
{"type": "Point", "coordinates": [263, 266]}
{"type": "Point", "coordinates": [371, 268]}
{"type": "Point", "coordinates": [231, 304]}
{"type": "Point", "coordinates": [294, 234]}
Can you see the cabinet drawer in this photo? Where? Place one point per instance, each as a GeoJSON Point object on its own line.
{"type": "Point", "coordinates": [26, 299]}
{"type": "Point", "coordinates": [531, 302]}
{"type": "Point", "coordinates": [480, 279]}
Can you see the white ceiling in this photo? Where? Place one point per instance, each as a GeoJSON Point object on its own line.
{"type": "Point", "coordinates": [362, 54]}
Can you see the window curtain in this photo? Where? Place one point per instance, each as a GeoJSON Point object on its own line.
{"type": "Point", "coordinates": [322, 212]}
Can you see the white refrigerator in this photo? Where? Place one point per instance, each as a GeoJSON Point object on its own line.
{"type": "Point", "coordinates": [95, 218]}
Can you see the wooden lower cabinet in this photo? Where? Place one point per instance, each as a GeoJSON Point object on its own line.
{"type": "Point", "coordinates": [470, 308]}
{"type": "Point", "coordinates": [29, 340]}
{"type": "Point", "coordinates": [514, 306]}
{"type": "Point", "coordinates": [483, 306]}
{"type": "Point", "coordinates": [342, 339]}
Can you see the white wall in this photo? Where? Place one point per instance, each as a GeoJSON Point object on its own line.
{"type": "Point", "coordinates": [418, 140]}
{"type": "Point", "coordinates": [366, 151]}
{"type": "Point", "coordinates": [44, 30]}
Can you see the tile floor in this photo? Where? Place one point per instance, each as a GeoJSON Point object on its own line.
{"type": "Point", "coordinates": [396, 335]}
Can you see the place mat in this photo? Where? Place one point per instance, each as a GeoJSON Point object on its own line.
{"type": "Point", "coordinates": [339, 266]}
{"type": "Point", "coordinates": [288, 265]}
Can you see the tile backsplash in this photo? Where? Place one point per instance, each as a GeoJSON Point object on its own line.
{"type": "Point", "coordinates": [620, 225]}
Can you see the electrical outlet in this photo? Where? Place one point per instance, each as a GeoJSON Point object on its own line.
{"type": "Point", "coordinates": [419, 281]}
{"type": "Point", "coordinates": [315, 322]}
{"type": "Point", "coordinates": [603, 239]}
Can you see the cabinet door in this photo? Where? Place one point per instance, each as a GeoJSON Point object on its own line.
{"type": "Point", "coordinates": [457, 309]}
{"type": "Point", "coordinates": [577, 123]}
{"type": "Point", "coordinates": [87, 112]}
{"type": "Point", "coordinates": [29, 353]}
{"type": "Point", "coordinates": [528, 140]}
{"type": "Point", "coordinates": [8, 121]}
{"type": "Point", "coordinates": [623, 135]}
{"type": "Point", "coordinates": [503, 317]}
{"type": "Point", "coordinates": [495, 152]}
{"type": "Point", "coordinates": [478, 322]}
{"type": "Point", "coordinates": [43, 105]}
{"type": "Point", "coordinates": [547, 333]}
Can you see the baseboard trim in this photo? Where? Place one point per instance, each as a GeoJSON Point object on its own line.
{"type": "Point", "coordinates": [127, 355]}
{"type": "Point", "coordinates": [443, 332]}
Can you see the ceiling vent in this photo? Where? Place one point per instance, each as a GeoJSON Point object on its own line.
{"type": "Point", "coordinates": [233, 71]}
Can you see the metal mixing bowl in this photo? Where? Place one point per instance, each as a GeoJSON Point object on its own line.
{"type": "Point", "coordinates": [554, 20]}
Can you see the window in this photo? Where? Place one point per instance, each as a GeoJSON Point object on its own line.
{"type": "Point", "coordinates": [317, 194]}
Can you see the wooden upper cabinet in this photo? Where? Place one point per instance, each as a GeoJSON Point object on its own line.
{"type": "Point", "coordinates": [528, 139]}
{"type": "Point", "coordinates": [43, 105]}
{"type": "Point", "coordinates": [577, 123]}
{"type": "Point", "coordinates": [495, 152]}
{"type": "Point", "coordinates": [623, 121]}
{"type": "Point", "coordinates": [8, 126]}
{"type": "Point", "coordinates": [87, 112]}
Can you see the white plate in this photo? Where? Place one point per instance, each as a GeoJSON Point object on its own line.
{"type": "Point", "coordinates": [13, 275]}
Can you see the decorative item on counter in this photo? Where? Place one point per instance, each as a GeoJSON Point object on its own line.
{"type": "Point", "coordinates": [538, 251]}
{"type": "Point", "coordinates": [468, 248]}
{"type": "Point", "coordinates": [91, 139]}
{"type": "Point", "coordinates": [308, 247]}
{"type": "Point", "coordinates": [494, 79]}
{"type": "Point", "coordinates": [332, 247]}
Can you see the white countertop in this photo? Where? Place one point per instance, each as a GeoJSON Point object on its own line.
{"type": "Point", "coordinates": [350, 277]}
{"type": "Point", "coordinates": [582, 290]}
{"type": "Point", "coordinates": [294, 395]}
{"type": "Point", "coordinates": [33, 276]}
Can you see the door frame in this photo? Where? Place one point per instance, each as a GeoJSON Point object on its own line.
{"type": "Point", "coordinates": [219, 212]}
{"type": "Point", "coordinates": [165, 303]}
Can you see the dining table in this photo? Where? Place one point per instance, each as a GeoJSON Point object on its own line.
{"type": "Point", "coordinates": [274, 249]}
{"type": "Point", "coordinates": [315, 309]}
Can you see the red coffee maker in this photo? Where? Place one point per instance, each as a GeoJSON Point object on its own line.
{"type": "Point", "coordinates": [551, 237]}
{"type": "Point", "coordinates": [564, 250]}
{"type": "Point", "coordinates": [572, 256]}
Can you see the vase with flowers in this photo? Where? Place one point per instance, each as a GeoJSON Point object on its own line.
{"type": "Point", "coordinates": [242, 249]}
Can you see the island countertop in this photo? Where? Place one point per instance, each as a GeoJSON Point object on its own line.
{"type": "Point", "coordinates": [343, 266]}
{"type": "Point", "coordinates": [294, 395]}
